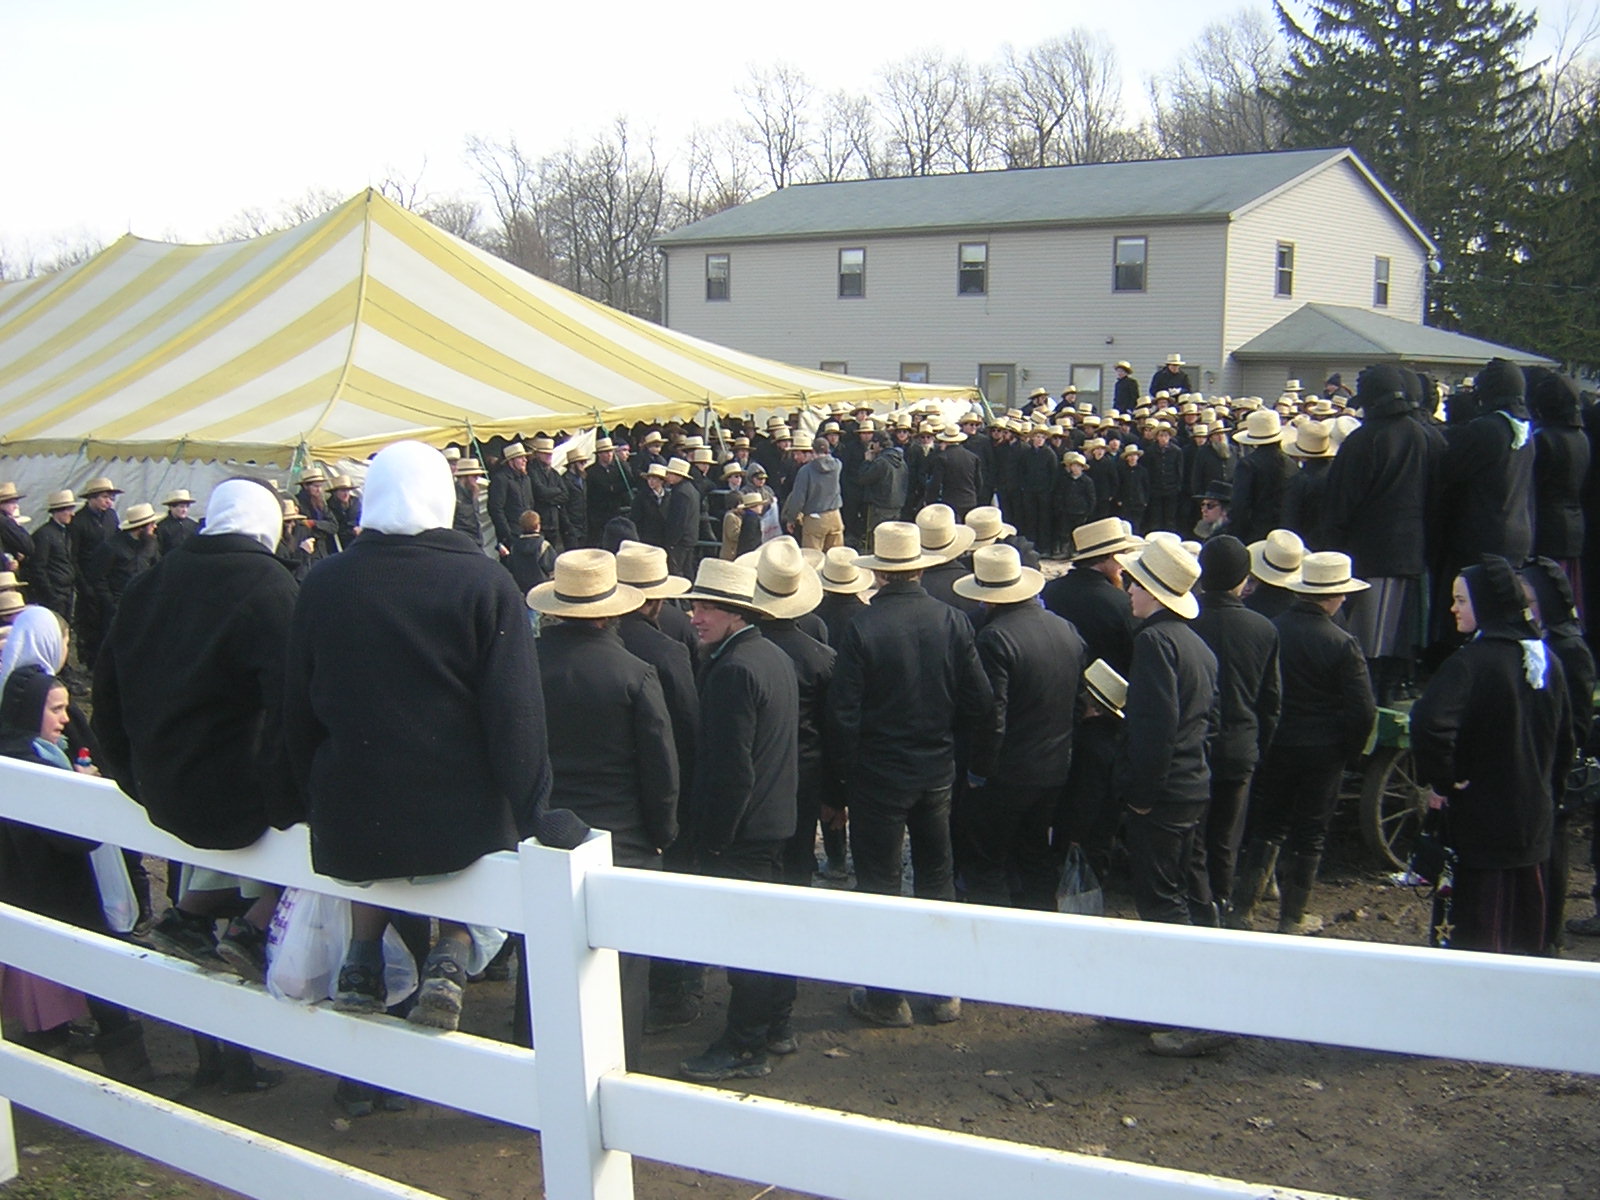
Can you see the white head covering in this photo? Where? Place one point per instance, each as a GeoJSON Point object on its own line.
{"type": "Point", "coordinates": [247, 507]}
{"type": "Point", "coordinates": [409, 489]}
{"type": "Point", "coordinates": [35, 641]}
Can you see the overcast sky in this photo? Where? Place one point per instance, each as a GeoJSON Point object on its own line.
{"type": "Point", "coordinates": [167, 117]}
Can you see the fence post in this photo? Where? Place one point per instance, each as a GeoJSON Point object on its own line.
{"type": "Point", "coordinates": [577, 1022]}
{"type": "Point", "coordinates": [8, 1133]}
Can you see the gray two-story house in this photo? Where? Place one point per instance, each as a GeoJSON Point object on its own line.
{"type": "Point", "coordinates": [1254, 268]}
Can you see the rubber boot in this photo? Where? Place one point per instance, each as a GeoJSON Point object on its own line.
{"type": "Point", "coordinates": [123, 1056]}
{"type": "Point", "coordinates": [1299, 877]}
{"type": "Point", "coordinates": [1250, 883]}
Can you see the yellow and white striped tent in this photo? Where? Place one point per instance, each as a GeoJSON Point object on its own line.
{"type": "Point", "coordinates": [171, 366]}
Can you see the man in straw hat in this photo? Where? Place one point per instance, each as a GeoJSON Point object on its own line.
{"type": "Point", "coordinates": [125, 554]}
{"type": "Point", "coordinates": [91, 527]}
{"type": "Point", "coordinates": [16, 546]}
{"type": "Point", "coordinates": [1091, 594]}
{"type": "Point", "coordinates": [1034, 662]}
{"type": "Point", "coordinates": [1171, 378]}
{"type": "Point", "coordinates": [1274, 565]}
{"type": "Point", "coordinates": [746, 776]}
{"type": "Point", "coordinates": [680, 516]}
{"type": "Point", "coordinates": [345, 505]}
{"type": "Point", "coordinates": [410, 654]}
{"type": "Point", "coordinates": [549, 489]}
{"type": "Point", "coordinates": [469, 476]}
{"type": "Point", "coordinates": [610, 491]}
{"type": "Point", "coordinates": [1262, 477]}
{"type": "Point", "coordinates": [1086, 811]}
{"type": "Point", "coordinates": [50, 570]}
{"type": "Point", "coordinates": [1304, 510]}
{"type": "Point", "coordinates": [510, 495]}
{"type": "Point", "coordinates": [1328, 710]}
{"type": "Point", "coordinates": [955, 476]}
{"type": "Point", "coordinates": [907, 680]}
{"type": "Point", "coordinates": [1162, 772]}
{"type": "Point", "coordinates": [177, 526]}
{"type": "Point", "coordinates": [629, 785]}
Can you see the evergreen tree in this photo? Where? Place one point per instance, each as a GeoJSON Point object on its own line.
{"type": "Point", "coordinates": [1432, 96]}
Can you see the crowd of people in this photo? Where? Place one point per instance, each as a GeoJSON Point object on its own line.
{"type": "Point", "coordinates": [730, 646]}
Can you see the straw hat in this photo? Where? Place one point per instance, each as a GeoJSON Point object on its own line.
{"type": "Point", "coordinates": [723, 582]}
{"type": "Point", "coordinates": [643, 567]}
{"type": "Point", "coordinates": [343, 483]}
{"type": "Point", "coordinates": [1175, 360]}
{"type": "Point", "coordinates": [291, 511]}
{"type": "Point", "coordinates": [601, 445]}
{"type": "Point", "coordinates": [99, 486]}
{"type": "Point", "coordinates": [941, 536]}
{"type": "Point", "coordinates": [585, 585]}
{"type": "Point", "coordinates": [518, 450]}
{"type": "Point", "coordinates": [139, 514]}
{"type": "Point", "coordinates": [1293, 385]}
{"type": "Point", "coordinates": [10, 583]}
{"type": "Point", "coordinates": [676, 466]}
{"type": "Point", "coordinates": [656, 471]}
{"type": "Point", "coordinates": [702, 454]}
{"type": "Point", "coordinates": [1099, 538]}
{"type": "Point", "coordinates": [1037, 392]}
{"type": "Point", "coordinates": [11, 603]}
{"type": "Point", "coordinates": [1168, 572]}
{"type": "Point", "coordinates": [181, 496]}
{"type": "Point", "coordinates": [1314, 439]}
{"type": "Point", "coordinates": [1072, 456]}
{"type": "Point", "coordinates": [452, 453]}
{"type": "Point", "coordinates": [1261, 428]}
{"type": "Point", "coordinates": [732, 467]}
{"type": "Point", "coordinates": [998, 577]}
{"type": "Point", "coordinates": [897, 546]}
{"type": "Point", "coordinates": [1327, 573]}
{"type": "Point", "coordinates": [988, 526]}
{"type": "Point", "coordinates": [8, 491]}
{"type": "Point", "coordinates": [781, 433]}
{"type": "Point", "coordinates": [62, 499]}
{"type": "Point", "coordinates": [951, 436]}
{"type": "Point", "coordinates": [1277, 558]}
{"type": "Point", "coordinates": [786, 584]}
{"type": "Point", "coordinates": [840, 574]}
{"type": "Point", "coordinates": [739, 443]}
{"type": "Point", "coordinates": [543, 445]}
{"type": "Point", "coordinates": [653, 438]}
{"type": "Point", "coordinates": [1132, 449]}
{"type": "Point", "coordinates": [313, 476]}
{"type": "Point", "coordinates": [1199, 429]}
{"type": "Point", "coordinates": [1123, 365]}
{"type": "Point", "coordinates": [466, 467]}
{"type": "Point", "coordinates": [1108, 689]}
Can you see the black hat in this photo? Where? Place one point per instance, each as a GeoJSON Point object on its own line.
{"type": "Point", "coordinates": [1385, 381]}
{"type": "Point", "coordinates": [1217, 489]}
{"type": "Point", "coordinates": [1334, 381]}
{"type": "Point", "coordinates": [1499, 385]}
{"type": "Point", "coordinates": [1224, 563]}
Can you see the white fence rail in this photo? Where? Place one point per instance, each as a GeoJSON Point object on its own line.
{"type": "Point", "coordinates": [578, 912]}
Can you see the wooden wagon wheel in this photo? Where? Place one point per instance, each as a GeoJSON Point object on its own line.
{"type": "Point", "coordinates": [1392, 803]}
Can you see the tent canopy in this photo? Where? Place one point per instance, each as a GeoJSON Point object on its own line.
{"type": "Point", "coordinates": [341, 335]}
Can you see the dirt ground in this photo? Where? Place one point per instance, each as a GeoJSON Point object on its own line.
{"type": "Point", "coordinates": [1348, 1122]}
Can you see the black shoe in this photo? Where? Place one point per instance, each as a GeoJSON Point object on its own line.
{"type": "Point", "coordinates": [671, 1012]}
{"type": "Point", "coordinates": [187, 937]}
{"type": "Point", "coordinates": [244, 948]}
{"type": "Point", "coordinates": [721, 1061]}
{"type": "Point", "coordinates": [361, 990]}
{"type": "Point", "coordinates": [256, 1079]}
{"type": "Point", "coordinates": [439, 998]}
{"type": "Point", "coordinates": [782, 1039]}
{"type": "Point", "coordinates": [499, 967]}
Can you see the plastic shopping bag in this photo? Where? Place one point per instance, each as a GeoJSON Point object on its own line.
{"type": "Point", "coordinates": [306, 946]}
{"type": "Point", "coordinates": [117, 901]}
{"type": "Point", "coordinates": [1079, 892]}
{"type": "Point", "coordinates": [486, 943]}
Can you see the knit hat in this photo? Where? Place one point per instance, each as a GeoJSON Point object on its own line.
{"type": "Point", "coordinates": [1224, 563]}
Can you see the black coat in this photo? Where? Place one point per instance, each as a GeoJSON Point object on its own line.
{"type": "Point", "coordinates": [172, 532]}
{"type": "Point", "coordinates": [675, 671]}
{"type": "Point", "coordinates": [939, 582]}
{"type": "Point", "coordinates": [907, 679]}
{"type": "Point", "coordinates": [649, 515]}
{"type": "Point", "coordinates": [1167, 379]}
{"type": "Point", "coordinates": [1377, 498]}
{"type": "Point", "coordinates": [1074, 498]}
{"type": "Point", "coordinates": [14, 539]}
{"type": "Point", "coordinates": [548, 490]}
{"type": "Point", "coordinates": [466, 520]}
{"type": "Point", "coordinates": [1038, 467]}
{"type": "Point", "coordinates": [1125, 394]}
{"type": "Point", "coordinates": [123, 556]}
{"type": "Point", "coordinates": [1560, 467]}
{"type": "Point", "coordinates": [1034, 662]}
{"type": "Point", "coordinates": [837, 610]}
{"type": "Point", "coordinates": [813, 669]}
{"type": "Point", "coordinates": [574, 509]}
{"type": "Point", "coordinates": [1133, 492]}
{"type": "Point", "coordinates": [955, 479]}
{"type": "Point", "coordinates": [1304, 504]}
{"type": "Point", "coordinates": [1248, 687]}
{"type": "Point", "coordinates": [884, 480]}
{"type": "Point", "coordinates": [1210, 467]}
{"type": "Point", "coordinates": [510, 495]}
{"type": "Point", "coordinates": [1103, 471]}
{"type": "Point", "coordinates": [188, 693]}
{"type": "Point", "coordinates": [628, 782]}
{"type": "Point", "coordinates": [1486, 491]}
{"type": "Point", "coordinates": [532, 561]}
{"type": "Point", "coordinates": [1479, 722]}
{"type": "Point", "coordinates": [1099, 610]}
{"type": "Point", "coordinates": [414, 715]}
{"type": "Point", "coordinates": [50, 571]}
{"type": "Point", "coordinates": [1171, 715]}
{"type": "Point", "coordinates": [1327, 693]}
{"type": "Point", "coordinates": [1259, 483]}
{"type": "Point", "coordinates": [87, 532]}
{"type": "Point", "coordinates": [609, 496]}
{"type": "Point", "coordinates": [1165, 464]}
{"type": "Point", "coordinates": [747, 769]}
{"type": "Point", "coordinates": [680, 513]}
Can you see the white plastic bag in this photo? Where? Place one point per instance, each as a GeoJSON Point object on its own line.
{"type": "Point", "coordinates": [486, 943]}
{"type": "Point", "coordinates": [1079, 892]}
{"type": "Point", "coordinates": [117, 901]}
{"type": "Point", "coordinates": [306, 945]}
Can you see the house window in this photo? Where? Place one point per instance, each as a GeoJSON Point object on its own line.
{"type": "Point", "coordinates": [972, 269]}
{"type": "Point", "coordinates": [852, 273]}
{"type": "Point", "coordinates": [1284, 284]}
{"type": "Point", "coordinates": [1087, 377]}
{"type": "Point", "coordinates": [716, 277]}
{"type": "Point", "coordinates": [913, 372]}
{"type": "Point", "coordinates": [836, 366]}
{"type": "Point", "coordinates": [1128, 259]}
{"type": "Point", "coordinates": [1380, 282]}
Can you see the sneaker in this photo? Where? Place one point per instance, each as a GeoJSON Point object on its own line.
{"type": "Point", "coordinates": [671, 1012]}
{"type": "Point", "coordinates": [244, 948]}
{"type": "Point", "coordinates": [439, 998]}
{"type": "Point", "coordinates": [1187, 1043]}
{"type": "Point", "coordinates": [945, 1009]}
{"type": "Point", "coordinates": [256, 1079]}
{"type": "Point", "coordinates": [1585, 926]}
{"type": "Point", "coordinates": [893, 1014]}
{"type": "Point", "coordinates": [361, 990]}
{"type": "Point", "coordinates": [721, 1061]}
{"type": "Point", "coordinates": [187, 937]}
{"type": "Point", "coordinates": [782, 1040]}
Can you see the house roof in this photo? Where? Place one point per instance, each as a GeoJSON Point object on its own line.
{"type": "Point", "coordinates": [1094, 194]}
{"type": "Point", "coordinates": [1339, 333]}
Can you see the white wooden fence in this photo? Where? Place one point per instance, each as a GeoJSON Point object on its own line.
{"type": "Point", "coordinates": [578, 911]}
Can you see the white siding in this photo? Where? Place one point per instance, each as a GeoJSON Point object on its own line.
{"type": "Point", "coordinates": [1338, 226]}
{"type": "Point", "coordinates": [1049, 303]}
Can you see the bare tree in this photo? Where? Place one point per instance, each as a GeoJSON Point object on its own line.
{"type": "Point", "coordinates": [977, 139]}
{"type": "Point", "coordinates": [921, 102]}
{"type": "Point", "coordinates": [62, 251]}
{"type": "Point", "coordinates": [1216, 101]}
{"type": "Point", "coordinates": [720, 170]}
{"type": "Point", "coordinates": [850, 143]}
{"type": "Point", "coordinates": [254, 222]}
{"type": "Point", "coordinates": [777, 100]}
{"type": "Point", "coordinates": [1036, 95]}
{"type": "Point", "coordinates": [1093, 125]}
{"type": "Point", "coordinates": [511, 179]}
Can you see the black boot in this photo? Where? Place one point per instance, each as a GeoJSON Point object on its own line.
{"type": "Point", "coordinates": [1251, 883]}
{"type": "Point", "coordinates": [1299, 877]}
{"type": "Point", "coordinates": [123, 1056]}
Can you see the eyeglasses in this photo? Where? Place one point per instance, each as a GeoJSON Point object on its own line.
{"type": "Point", "coordinates": [1205, 504]}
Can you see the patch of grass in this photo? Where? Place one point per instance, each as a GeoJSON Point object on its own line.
{"type": "Point", "coordinates": [88, 1173]}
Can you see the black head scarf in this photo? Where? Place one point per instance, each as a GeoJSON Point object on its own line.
{"type": "Point", "coordinates": [1558, 612]}
{"type": "Point", "coordinates": [22, 710]}
{"type": "Point", "coordinates": [1499, 385]}
{"type": "Point", "coordinates": [1497, 600]}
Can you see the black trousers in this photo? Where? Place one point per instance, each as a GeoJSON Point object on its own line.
{"type": "Point", "coordinates": [1294, 796]}
{"type": "Point", "coordinates": [1086, 813]}
{"type": "Point", "coordinates": [800, 851]}
{"type": "Point", "coordinates": [1215, 854]}
{"type": "Point", "coordinates": [1159, 843]}
{"type": "Point", "coordinates": [761, 1003]}
{"type": "Point", "coordinates": [1163, 513]}
{"type": "Point", "coordinates": [1008, 829]}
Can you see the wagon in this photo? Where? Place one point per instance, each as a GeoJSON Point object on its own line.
{"type": "Point", "coordinates": [1392, 798]}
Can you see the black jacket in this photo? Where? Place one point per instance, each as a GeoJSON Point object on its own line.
{"type": "Point", "coordinates": [1327, 693]}
{"type": "Point", "coordinates": [1246, 647]}
{"type": "Point", "coordinates": [1099, 610]}
{"type": "Point", "coordinates": [837, 610]}
{"type": "Point", "coordinates": [466, 520]}
{"type": "Point", "coordinates": [50, 571]}
{"type": "Point", "coordinates": [1305, 506]}
{"type": "Point", "coordinates": [532, 561]}
{"type": "Point", "coordinates": [1074, 498]}
{"type": "Point", "coordinates": [680, 513]}
{"type": "Point", "coordinates": [1560, 465]}
{"type": "Point", "coordinates": [1208, 467]}
{"type": "Point", "coordinates": [1165, 465]}
{"type": "Point", "coordinates": [1171, 716]}
{"type": "Point", "coordinates": [413, 711]}
{"type": "Point", "coordinates": [884, 480]}
{"type": "Point", "coordinates": [627, 781]}
{"type": "Point", "coordinates": [1486, 491]}
{"type": "Point", "coordinates": [675, 671]}
{"type": "Point", "coordinates": [510, 495]}
{"type": "Point", "coordinates": [172, 532]}
{"type": "Point", "coordinates": [813, 668]}
{"type": "Point", "coordinates": [1259, 483]}
{"type": "Point", "coordinates": [548, 489]}
{"type": "Point", "coordinates": [907, 678]}
{"type": "Point", "coordinates": [649, 515]}
{"type": "Point", "coordinates": [188, 693]}
{"type": "Point", "coordinates": [1378, 494]}
{"type": "Point", "coordinates": [1034, 662]}
{"type": "Point", "coordinates": [1103, 471]}
{"type": "Point", "coordinates": [609, 496]}
{"type": "Point", "coordinates": [14, 539]}
{"type": "Point", "coordinates": [114, 565]}
{"type": "Point", "coordinates": [1169, 379]}
{"type": "Point", "coordinates": [574, 509]}
{"type": "Point", "coordinates": [1133, 492]}
{"type": "Point", "coordinates": [955, 478]}
{"type": "Point", "coordinates": [1038, 467]}
{"type": "Point", "coordinates": [747, 768]}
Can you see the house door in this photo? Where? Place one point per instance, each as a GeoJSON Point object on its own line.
{"type": "Point", "coordinates": [998, 382]}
